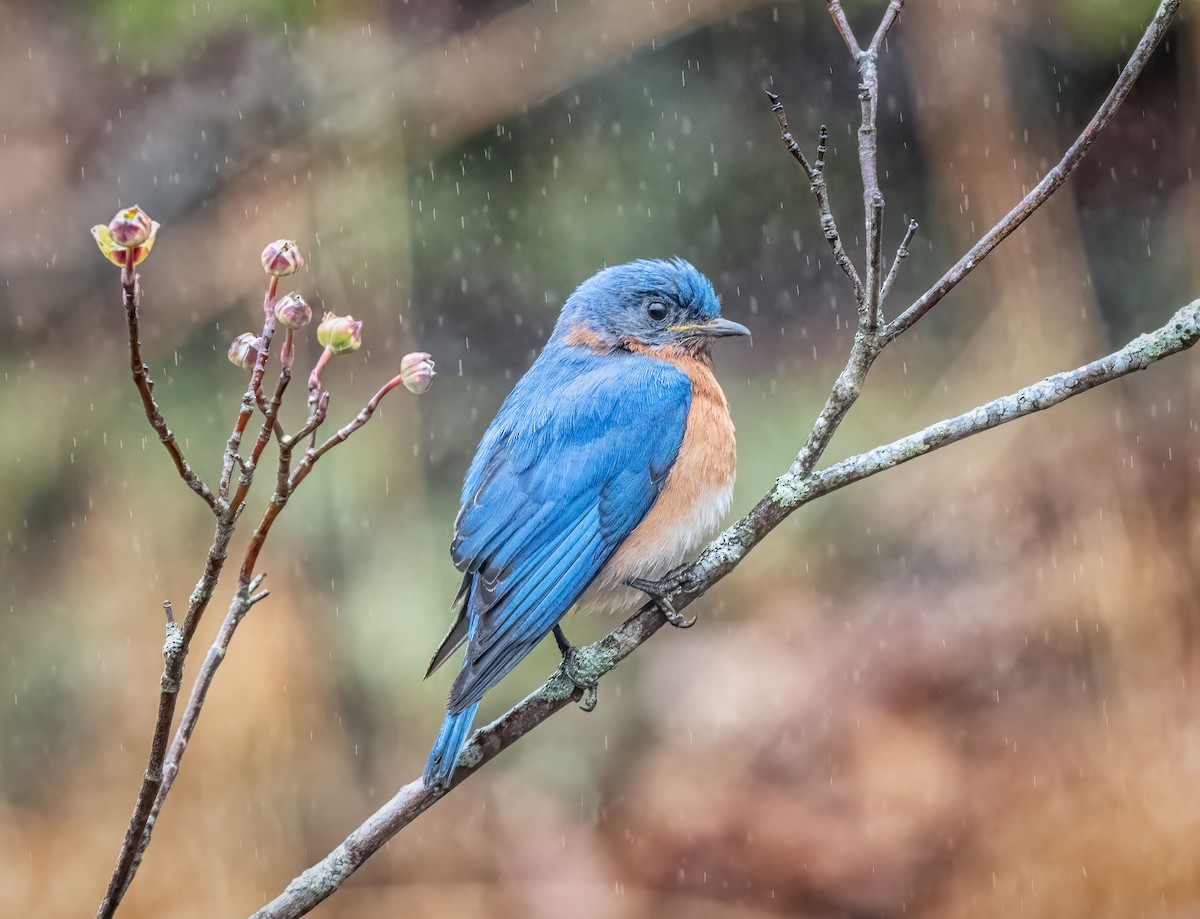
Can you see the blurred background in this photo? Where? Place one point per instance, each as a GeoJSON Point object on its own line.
{"type": "Point", "coordinates": [963, 688]}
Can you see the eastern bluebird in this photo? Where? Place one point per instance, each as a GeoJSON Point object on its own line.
{"type": "Point", "coordinates": [610, 460]}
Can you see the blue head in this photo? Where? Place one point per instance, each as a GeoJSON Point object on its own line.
{"type": "Point", "coordinates": [647, 304]}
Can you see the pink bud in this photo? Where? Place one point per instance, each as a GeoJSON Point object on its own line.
{"type": "Point", "coordinates": [130, 227]}
{"type": "Point", "coordinates": [293, 312]}
{"type": "Point", "coordinates": [243, 352]}
{"type": "Point", "coordinates": [282, 258]}
{"type": "Point", "coordinates": [339, 333]}
{"type": "Point", "coordinates": [416, 370]}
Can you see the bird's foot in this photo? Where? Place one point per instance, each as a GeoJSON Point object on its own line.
{"type": "Point", "coordinates": [591, 695]}
{"type": "Point", "coordinates": [661, 592]}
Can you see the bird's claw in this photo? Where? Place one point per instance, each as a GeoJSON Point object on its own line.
{"type": "Point", "coordinates": [660, 592]}
{"type": "Point", "coordinates": [591, 695]}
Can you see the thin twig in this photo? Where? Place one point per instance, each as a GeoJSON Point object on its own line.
{"type": "Point", "coordinates": [885, 26]}
{"type": "Point", "coordinates": [843, 27]}
{"type": "Point", "coordinates": [901, 255]}
{"type": "Point", "coordinates": [820, 191]}
{"type": "Point", "coordinates": [253, 394]}
{"type": "Point", "coordinates": [314, 392]}
{"type": "Point", "coordinates": [720, 558]}
{"type": "Point", "coordinates": [312, 455]}
{"type": "Point", "coordinates": [1050, 182]}
{"type": "Point", "coordinates": [270, 422]}
{"type": "Point", "coordinates": [131, 295]}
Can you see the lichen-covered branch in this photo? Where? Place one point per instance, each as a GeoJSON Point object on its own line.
{"type": "Point", "coordinates": [791, 491]}
{"type": "Point", "coordinates": [1051, 181]}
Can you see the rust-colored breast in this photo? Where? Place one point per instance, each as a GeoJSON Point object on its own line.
{"type": "Point", "coordinates": [697, 492]}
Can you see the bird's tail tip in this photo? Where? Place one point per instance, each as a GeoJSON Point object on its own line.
{"type": "Point", "coordinates": [443, 759]}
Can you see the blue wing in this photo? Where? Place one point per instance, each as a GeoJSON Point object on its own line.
{"type": "Point", "coordinates": [574, 460]}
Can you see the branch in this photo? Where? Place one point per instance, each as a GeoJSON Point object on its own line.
{"type": "Point", "coordinates": [247, 593]}
{"type": "Point", "coordinates": [245, 597]}
{"type": "Point", "coordinates": [901, 255]}
{"type": "Point", "coordinates": [312, 455]}
{"type": "Point", "coordinates": [868, 159]}
{"type": "Point", "coordinates": [174, 650]}
{"type": "Point", "coordinates": [790, 492]}
{"type": "Point", "coordinates": [1053, 179]}
{"type": "Point", "coordinates": [816, 180]}
{"type": "Point", "coordinates": [131, 296]}
{"type": "Point", "coordinates": [253, 393]}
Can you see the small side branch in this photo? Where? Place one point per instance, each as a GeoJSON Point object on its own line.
{"type": "Point", "coordinates": [312, 455]}
{"type": "Point", "coordinates": [901, 255]}
{"type": "Point", "coordinates": [1053, 179]}
{"type": "Point", "coordinates": [790, 492]}
{"type": "Point", "coordinates": [820, 191]}
{"type": "Point", "coordinates": [131, 295]}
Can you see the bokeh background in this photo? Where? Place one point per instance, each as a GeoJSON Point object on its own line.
{"type": "Point", "coordinates": [963, 688]}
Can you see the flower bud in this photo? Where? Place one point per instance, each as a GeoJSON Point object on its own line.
{"type": "Point", "coordinates": [130, 236]}
{"type": "Point", "coordinates": [243, 352]}
{"type": "Point", "coordinates": [130, 228]}
{"type": "Point", "coordinates": [416, 370]}
{"type": "Point", "coordinates": [293, 312]}
{"type": "Point", "coordinates": [282, 258]}
{"type": "Point", "coordinates": [339, 333]}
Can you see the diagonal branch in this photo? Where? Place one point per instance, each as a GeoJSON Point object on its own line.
{"type": "Point", "coordinates": [1053, 179]}
{"type": "Point", "coordinates": [131, 296]}
{"type": "Point", "coordinates": [790, 492]}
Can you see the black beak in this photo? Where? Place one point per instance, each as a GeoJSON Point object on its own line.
{"type": "Point", "coordinates": [722, 328]}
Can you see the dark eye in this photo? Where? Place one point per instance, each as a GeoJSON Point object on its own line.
{"type": "Point", "coordinates": [656, 311]}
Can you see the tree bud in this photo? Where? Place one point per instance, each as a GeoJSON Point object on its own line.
{"type": "Point", "coordinates": [339, 333]}
{"type": "Point", "coordinates": [243, 352]}
{"type": "Point", "coordinates": [282, 258]}
{"type": "Point", "coordinates": [416, 370]}
{"type": "Point", "coordinates": [129, 225]}
{"type": "Point", "coordinates": [130, 228]}
{"type": "Point", "coordinates": [293, 312]}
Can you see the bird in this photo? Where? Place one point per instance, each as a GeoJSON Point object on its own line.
{"type": "Point", "coordinates": [610, 460]}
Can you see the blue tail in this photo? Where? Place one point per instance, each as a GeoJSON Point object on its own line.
{"type": "Point", "coordinates": [444, 757]}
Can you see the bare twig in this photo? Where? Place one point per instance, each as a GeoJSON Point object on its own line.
{"type": "Point", "coordinates": [843, 27]}
{"type": "Point", "coordinates": [790, 492]}
{"type": "Point", "coordinates": [253, 393]}
{"type": "Point", "coordinates": [314, 393]}
{"type": "Point", "coordinates": [270, 422]}
{"type": "Point", "coordinates": [820, 191]}
{"type": "Point", "coordinates": [131, 295]}
{"type": "Point", "coordinates": [1053, 179]}
{"type": "Point", "coordinates": [901, 255]}
{"type": "Point", "coordinates": [312, 455]}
